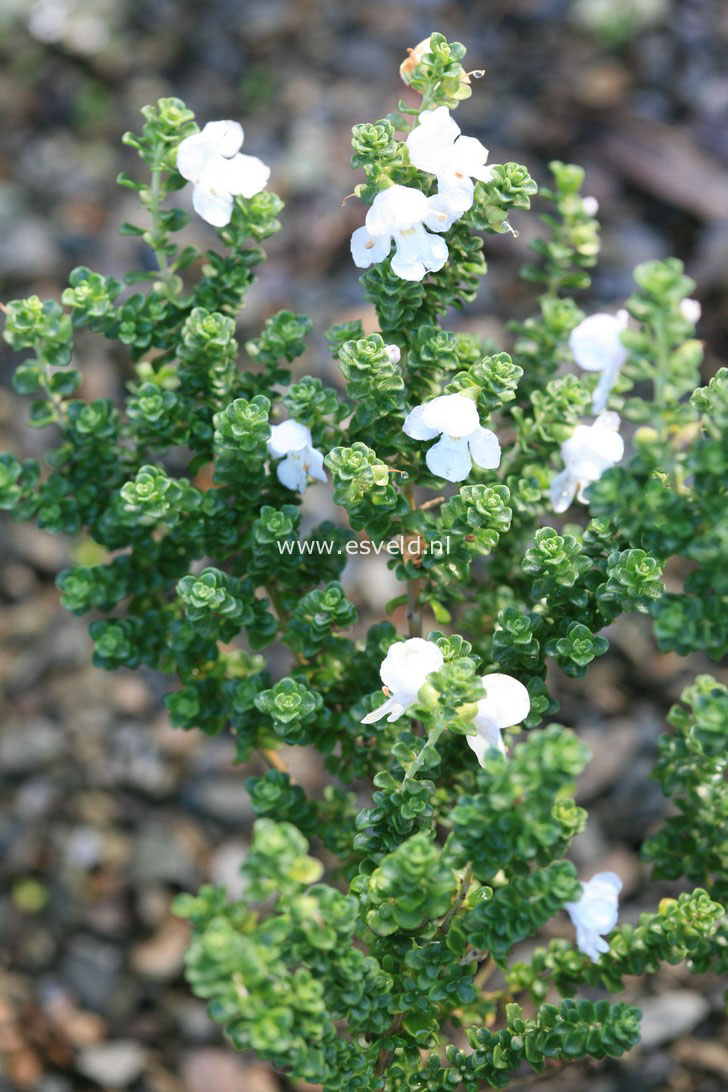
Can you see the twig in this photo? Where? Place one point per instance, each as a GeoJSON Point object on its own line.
{"type": "Point", "coordinates": [460, 896]}
{"type": "Point", "coordinates": [386, 1055]}
{"type": "Point", "coordinates": [283, 616]}
{"type": "Point", "coordinates": [275, 761]}
{"type": "Point", "coordinates": [484, 972]}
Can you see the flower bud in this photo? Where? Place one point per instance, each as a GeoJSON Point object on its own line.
{"type": "Point", "coordinates": [428, 696]}
{"type": "Point", "coordinates": [413, 58]}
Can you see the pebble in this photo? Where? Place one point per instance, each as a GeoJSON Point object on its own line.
{"type": "Point", "coordinates": [165, 852]}
{"type": "Point", "coordinates": [161, 957]}
{"type": "Point", "coordinates": [612, 750]}
{"type": "Point", "coordinates": [669, 1015]}
{"type": "Point", "coordinates": [219, 1069]}
{"type": "Point", "coordinates": [225, 864]}
{"type": "Point", "coordinates": [26, 745]}
{"type": "Point", "coordinates": [92, 969]}
{"type": "Point", "coordinates": [703, 1054]}
{"type": "Point", "coordinates": [224, 799]}
{"type": "Point", "coordinates": [114, 1064]}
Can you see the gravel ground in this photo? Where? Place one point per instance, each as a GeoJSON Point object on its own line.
{"type": "Point", "coordinates": [106, 811]}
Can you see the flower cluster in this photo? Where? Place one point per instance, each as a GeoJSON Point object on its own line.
{"type": "Point", "coordinates": [212, 161]}
{"type": "Point", "coordinates": [405, 216]}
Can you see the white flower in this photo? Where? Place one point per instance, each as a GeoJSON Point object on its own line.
{"type": "Point", "coordinates": [400, 213]}
{"type": "Point", "coordinates": [394, 353]}
{"type": "Point", "coordinates": [590, 205]}
{"type": "Point", "coordinates": [293, 441]}
{"type": "Point", "coordinates": [455, 419]}
{"type": "Point", "coordinates": [506, 702]}
{"type": "Point", "coordinates": [595, 914]}
{"type": "Point", "coordinates": [437, 147]}
{"type": "Point", "coordinates": [404, 671]}
{"type": "Point", "coordinates": [589, 451]}
{"type": "Point", "coordinates": [691, 310]}
{"type": "Point", "coordinates": [211, 160]}
{"type": "Point", "coordinates": [596, 346]}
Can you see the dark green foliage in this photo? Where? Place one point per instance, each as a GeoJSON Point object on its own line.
{"type": "Point", "coordinates": [691, 768]}
{"type": "Point", "coordinates": [520, 813]}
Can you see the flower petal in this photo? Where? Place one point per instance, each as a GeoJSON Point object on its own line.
{"type": "Point", "coordinates": [292, 473]}
{"type": "Point", "coordinates": [396, 209]}
{"type": "Point", "coordinates": [563, 490]}
{"type": "Point", "coordinates": [506, 702]}
{"type": "Point", "coordinates": [449, 459]}
{"type": "Point", "coordinates": [488, 738]}
{"type": "Point", "coordinates": [443, 212]}
{"type": "Point", "coordinates": [289, 436]}
{"type": "Point", "coordinates": [470, 157]}
{"type": "Point", "coordinates": [407, 665]}
{"type": "Point", "coordinates": [417, 253]}
{"type": "Point", "coordinates": [600, 394]}
{"type": "Point", "coordinates": [481, 744]}
{"type": "Point", "coordinates": [415, 426]}
{"type": "Point", "coordinates": [454, 414]}
{"type": "Point", "coordinates": [192, 155]}
{"type": "Point", "coordinates": [390, 709]}
{"type": "Point", "coordinates": [367, 249]}
{"type": "Point", "coordinates": [215, 208]}
{"type": "Point", "coordinates": [313, 460]}
{"type": "Point", "coordinates": [224, 137]}
{"type": "Point", "coordinates": [596, 342]}
{"type": "Point", "coordinates": [245, 175]}
{"type": "Point", "coordinates": [430, 143]}
{"type": "Point", "coordinates": [485, 449]}
{"type": "Point", "coordinates": [456, 191]}
{"type": "Point", "coordinates": [592, 449]}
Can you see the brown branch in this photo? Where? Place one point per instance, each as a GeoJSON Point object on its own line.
{"type": "Point", "coordinates": [430, 503]}
{"type": "Point", "coordinates": [386, 1055]}
{"type": "Point", "coordinates": [274, 760]}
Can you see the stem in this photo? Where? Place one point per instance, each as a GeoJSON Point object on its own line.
{"type": "Point", "coordinates": [662, 374]}
{"type": "Point", "coordinates": [414, 610]}
{"type": "Point", "coordinates": [386, 1055]}
{"type": "Point", "coordinates": [431, 740]}
{"type": "Point", "coordinates": [157, 236]}
{"type": "Point", "coordinates": [56, 400]}
{"type": "Point", "coordinates": [484, 972]}
{"type": "Point", "coordinates": [275, 762]}
{"type": "Point", "coordinates": [283, 616]}
{"type": "Point", "coordinates": [457, 903]}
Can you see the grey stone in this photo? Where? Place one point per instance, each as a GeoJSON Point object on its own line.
{"type": "Point", "coordinates": [113, 1064]}
{"type": "Point", "coordinates": [670, 1015]}
{"type": "Point", "coordinates": [25, 745]}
